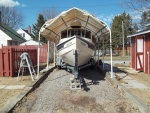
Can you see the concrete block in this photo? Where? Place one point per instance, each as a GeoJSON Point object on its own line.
{"type": "Point", "coordinates": [3, 86]}
{"type": "Point", "coordinates": [15, 87]}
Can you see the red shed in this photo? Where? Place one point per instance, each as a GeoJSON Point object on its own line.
{"type": "Point", "coordinates": [140, 51]}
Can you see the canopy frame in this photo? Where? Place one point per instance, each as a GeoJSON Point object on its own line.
{"type": "Point", "coordinates": [86, 22]}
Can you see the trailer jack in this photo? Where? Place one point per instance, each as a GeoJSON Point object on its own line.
{"type": "Point", "coordinates": [75, 82]}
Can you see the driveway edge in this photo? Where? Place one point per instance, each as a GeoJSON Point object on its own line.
{"type": "Point", "coordinates": [139, 103]}
{"type": "Point", "coordinates": [9, 107]}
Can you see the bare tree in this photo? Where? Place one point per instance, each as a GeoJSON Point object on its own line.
{"type": "Point", "coordinates": [11, 16]}
{"type": "Point", "coordinates": [49, 13]}
{"type": "Point", "coordinates": [139, 5]}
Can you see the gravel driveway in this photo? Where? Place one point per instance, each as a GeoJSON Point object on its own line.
{"type": "Point", "coordinates": [55, 96]}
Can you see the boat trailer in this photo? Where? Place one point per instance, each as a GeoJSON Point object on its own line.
{"type": "Point", "coordinates": [75, 81]}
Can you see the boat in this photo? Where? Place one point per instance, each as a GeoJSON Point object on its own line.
{"type": "Point", "coordinates": [75, 33]}
{"type": "Point", "coordinates": [84, 46]}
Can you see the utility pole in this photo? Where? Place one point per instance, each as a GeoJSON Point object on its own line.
{"type": "Point", "coordinates": [122, 38]}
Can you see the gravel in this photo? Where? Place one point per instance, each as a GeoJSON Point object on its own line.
{"type": "Point", "coordinates": [96, 96]}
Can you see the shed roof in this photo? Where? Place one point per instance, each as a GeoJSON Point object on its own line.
{"type": "Point", "coordinates": [11, 33]}
{"type": "Point", "coordinates": [140, 33]}
{"type": "Point", "coordinates": [53, 27]}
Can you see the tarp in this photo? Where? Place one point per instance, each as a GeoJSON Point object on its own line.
{"type": "Point", "coordinates": [53, 27]}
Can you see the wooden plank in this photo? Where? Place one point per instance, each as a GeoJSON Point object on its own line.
{"type": "Point", "coordinates": [5, 58]}
{"type": "Point", "coordinates": [1, 60]}
{"type": "Point", "coordinates": [11, 62]}
{"type": "Point", "coordinates": [7, 64]}
{"type": "Point", "coordinates": [133, 55]}
{"type": "Point", "coordinates": [43, 53]}
{"type": "Point", "coordinates": [147, 53]}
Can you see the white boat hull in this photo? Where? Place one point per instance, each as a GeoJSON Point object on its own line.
{"type": "Point", "coordinates": [85, 51]}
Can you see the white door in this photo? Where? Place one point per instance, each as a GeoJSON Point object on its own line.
{"type": "Point", "coordinates": [139, 53]}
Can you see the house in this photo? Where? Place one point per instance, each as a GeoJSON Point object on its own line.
{"type": "Point", "coordinates": [26, 34]}
{"type": "Point", "coordinates": [9, 36]}
{"type": "Point", "coordinates": [30, 42]}
{"type": "Point", "coordinates": [140, 50]}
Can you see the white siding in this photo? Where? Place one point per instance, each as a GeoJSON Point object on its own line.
{"type": "Point", "coordinates": [24, 34]}
{"type": "Point", "coordinates": [4, 38]}
{"type": "Point", "coordinates": [3, 42]}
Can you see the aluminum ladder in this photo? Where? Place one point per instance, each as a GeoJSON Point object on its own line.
{"type": "Point", "coordinates": [26, 62]}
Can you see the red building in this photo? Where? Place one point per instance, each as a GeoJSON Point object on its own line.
{"type": "Point", "coordinates": [140, 51]}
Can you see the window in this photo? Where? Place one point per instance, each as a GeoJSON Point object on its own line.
{"type": "Point", "coordinates": [23, 35]}
{"type": "Point", "coordinates": [64, 34]}
{"type": "Point", "coordinates": [9, 42]}
{"type": "Point", "coordinates": [16, 43]}
{"type": "Point", "coordinates": [78, 32]}
{"type": "Point", "coordinates": [88, 34]}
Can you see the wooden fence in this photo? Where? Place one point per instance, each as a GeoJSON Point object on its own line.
{"type": "Point", "coordinates": [10, 57]}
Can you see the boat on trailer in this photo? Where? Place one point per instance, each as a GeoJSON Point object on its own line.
{"type": "Point", "coordinates": [75, 33]}
{"type": "Point", "coordinates": [76, 41]}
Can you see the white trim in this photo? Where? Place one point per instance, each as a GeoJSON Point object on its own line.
{"type": "Point", "coordinates": [138, 34]}
{"type": "Point", "coordinates": [135, 53]}
{"type": "Point", "coordinates": [148, 61]}
{"type": "Point", "coordinates": [144, 53]}
{"type": "Point", "coordinates": [138, 62]}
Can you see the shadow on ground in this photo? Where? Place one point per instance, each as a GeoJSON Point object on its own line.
{"type": "Point", "coordinates": [107, 68]}
{"type": "Point", "coordinates": [90, 76]}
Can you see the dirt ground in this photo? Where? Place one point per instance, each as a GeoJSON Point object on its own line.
{"type": "Point", "coordinates": [143, 94]}
{"type": "Point", "coordinates": [13, 80]}
{"type": "Point", "coordinates": [101, 97]}
{"type": "Point", "coordinates": [7, 94]}
{"type": "Point", "coordinates": [121, 105]}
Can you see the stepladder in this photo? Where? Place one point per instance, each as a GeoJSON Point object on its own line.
{"type": "Point", "coordinates": [26, 63]}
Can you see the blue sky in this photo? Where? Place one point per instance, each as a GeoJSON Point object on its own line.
{"type": "Point", "coordinates": [103, 9]}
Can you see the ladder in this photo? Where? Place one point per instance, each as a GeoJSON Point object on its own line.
{"type": "Point", "coordinates": [26, 62]}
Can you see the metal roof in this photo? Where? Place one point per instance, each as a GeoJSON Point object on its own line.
{"type": "Point", "coordinates": [140, 33]}
{"type": "Point", "coordinates": [11, 33]}
{"type": "Point", "coordinates": [53, 27]}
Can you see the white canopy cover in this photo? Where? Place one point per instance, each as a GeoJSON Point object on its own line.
{"type": "Point", "coordinates": [53, 27]}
